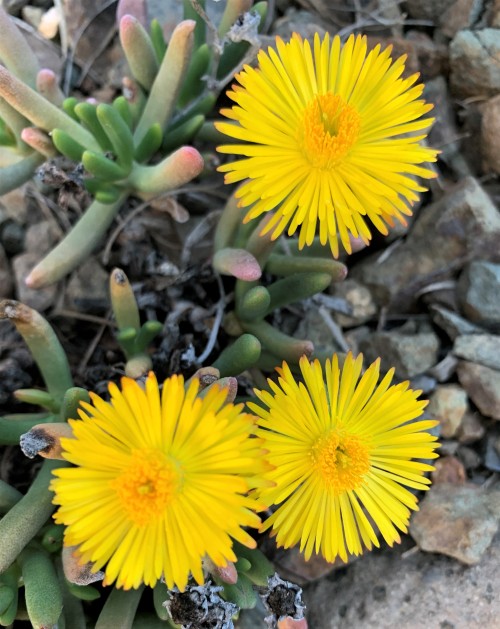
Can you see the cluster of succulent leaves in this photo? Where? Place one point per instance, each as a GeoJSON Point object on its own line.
{"type": "Point", "coordinates": [162, 109]}
{"type": "Point", "coordinates": [240, 250]}
{"type": "Point", "coordinates": [134, 146]}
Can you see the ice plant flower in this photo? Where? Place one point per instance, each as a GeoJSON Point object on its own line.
{"type": "Point", "coordinates": [343, 450]}
{"type": "Point", "coordinates": [159, 482]}
{"type": "Point", "coordinates": [331, 135]}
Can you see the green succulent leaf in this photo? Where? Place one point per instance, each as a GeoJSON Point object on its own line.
{"type": "Point", "coordinates": [87, 114]}
{"type": "Point", "coordinates": [149, 144]}
{"type": "Point", "coordinates": [102, 167]}
{"type": "Point", "coordinates": [119, 134]}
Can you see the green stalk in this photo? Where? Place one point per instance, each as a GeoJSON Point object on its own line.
{"type": "Point", "coordinates": [13, 176]}
{"type": "Point", "coordinates": [254, 304]}
{"type": "Point", "coordinates": [279, 264]}
{"type": "Point", "coordinates": [37, 398]}
{"type": "Point", "coordinates": [228, 224]}
{"type": "Point", "coordinates": [25, 519]}
{"type": "Point", "coordinates": [171, 173]}
{"type": "Point", "coordinates": [119, 609]}
{"type": "Point", "coordinates": [39, 141]}
{"type": "Point", "coordinates": [77, 245]}
{"type": "Point", "coordinates": [43, 344]}
{"type": "Point", "coordinates": [182, 133]}
{"type": "Point", "coordinates": [160, 595]}
{"type": "Point", "coordinates": [194, 84]}
{"type": "Point", "coordinates": [15, 122]}
{"type": "Point", "coordinates": [288, 347]}
{"type": "Point", "coordinates": [139, 51]}
{"type": "Point", "coordinates": [47, 86]}
{"type": "Point", "coordinates": [9, 496]}
{"type": "Point", "coordinates": [9, 580]}
{"type": "Point", "coordinates": [11, 430]}
{"type": "Point", "coordinates": [168, 81]}
{"type": "Point", "coordinates": [71, 402]}
{"type": "Point", "coordinates": [15, 52]}
{"type": "Point", "coordinates": [239, 356]}
{"type": "Point", "coordinates": [42, 591]}
{"type": "Point", "coordinates": [123, 302]}
{"type": "Point", "coordinates": [40, 111]}
{"type": "Point", "coordinates": [295, 288]}
{"type": "Point", "coordinates": [146, 334]}
{"type": "Point", "coordinates": [200, 34]}
{"type": "Point", "coordinates": [261, 245]}
{"type": "Point", "coordinates": [73, 614]}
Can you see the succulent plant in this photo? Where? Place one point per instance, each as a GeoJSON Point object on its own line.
{"type": "Point", "coordinates": [135, 146]}
{"type": "Point", "coordinates": [240, 251]}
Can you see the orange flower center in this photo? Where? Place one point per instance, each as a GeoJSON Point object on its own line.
{"type": "Point", "coordinates": [329, 129]}
{"type": "Point", "coordinates": [341, 460]}
{"type": "Point", "coordinates": [147, 485]}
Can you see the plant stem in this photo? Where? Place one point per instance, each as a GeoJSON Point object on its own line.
{"type": "Point", "coordinates": [24, 520]}
{"type": "Point", "coordinates": [77, 245]}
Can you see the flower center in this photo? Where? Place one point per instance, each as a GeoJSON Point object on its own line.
{"type": "Point", "coordinates": [147, 485]}
{"type": "Point", "coordinates": [329, 129]}
{"type": "Point", "coordinates": [341, 460]}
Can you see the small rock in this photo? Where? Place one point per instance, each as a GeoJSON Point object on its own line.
{"type": "Point", "coordinates": [444, 369]}
{"type": "Point", "coordinates": [478, 291]}
{"type": "Point", "coordinates": [39, 239]}
{"type": "Point", "coordinates": [448, 470]}
{"type": "Point", "coordinates": [463, 224]}
{"type": "Point", "coordinates": [469, 457]}
{"type": "Point", "coordinates": [424, 55]}
{"type": "Point", "coordinates": [424, 383]}
{"type": "Point", "coordinates": [475, 62]}
{"type": "Point", "coordinates": [448, 447]}
{"type": "Point", "coordinates": [410, 353]}
{"type": "Point", "coordinates": [492, 458]}
{"type": "Point", "coordinates": [359, 298]}
{"type": "Point", "coordinates": [448, 404]}
{"type": "Point", "coordinates": [444, 132]}
{"type": "Point", "coordinates": [482, 385]}
{"type": "Point", "coordinates": [15, 204]}
{"type": "Point", "coordinates": [453, 324]}
{"type": "Point", "coordinates": [490, 135]}
{"type": "Point", "coordinates": [424, 591]}
{"type": "Point", "coordinates": [461, 14]}
{"type": "Point", "coordinates": [87, 289]}
{"type": "Point", "coordinates": [428, 9]}
{"type": "Point", "coordinates": [12, 237]}
{"type": "Point", "coordinates": [457, 520]}
{"type": "Point", "coordinates": [354, 336]}
{"type": "Point", "coordinates": [493, 14]}
{"type": "Point", "coordinates": [326, 335]}
{"type": "Point", "coordinates": [305, 23]}
{"type": "Point", "coordinates": [471, 429]}
{"type": "Point", "coordinates": [432, 56]}
{"type": "Point", "coordinates": [483, 349]}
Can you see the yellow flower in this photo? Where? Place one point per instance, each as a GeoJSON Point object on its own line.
{"type": "Point", "coordinates": [324, 131]}
{"type": "Point", "coordinates": [342, 450]}
{"type": "Point", "coordinates": [159, 482]}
